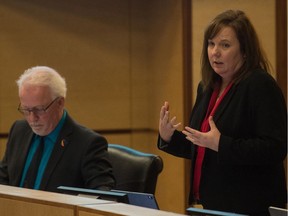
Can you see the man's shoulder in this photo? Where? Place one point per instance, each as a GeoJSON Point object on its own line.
{"type": "Point", "coordinates": [20, 124]}
{"type": "Point", "coordinates": [78, 129]}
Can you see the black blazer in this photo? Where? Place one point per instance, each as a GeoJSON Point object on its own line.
{"type": "Point", "coordinates": [81, 162]}
{"type": "Point", "coordinates": [247, 173]}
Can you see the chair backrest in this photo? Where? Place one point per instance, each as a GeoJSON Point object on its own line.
{"type": "Point", "coordinates": [134, 170]}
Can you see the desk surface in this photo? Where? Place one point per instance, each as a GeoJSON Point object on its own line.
{"type": "Point", "coordinates": [15, 201]}
{"type": "Point", "coordinates": [37, 196]}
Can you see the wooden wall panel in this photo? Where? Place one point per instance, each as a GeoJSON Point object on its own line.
{"type": "Point", "coordinates": [122, 60]}
{"type": "Point", "coordinates": [165, 84]}
{"type": "Point", "coordinates": [87, 42]}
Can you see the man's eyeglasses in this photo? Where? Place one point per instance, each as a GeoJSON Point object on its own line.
{"type": "Point", "coordinates": [35, 111]}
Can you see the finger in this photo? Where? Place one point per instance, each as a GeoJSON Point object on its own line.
{"type": "Point", "coordinates": [190, 139]}
{"type": "Point", "coordinates": [164, 108]}
{"type": "Point", "coordinates": [162, 112]}
{"type": "Point", "coordinates": [166, 104]}
{"type": "Point", "coordinates": [189, 129]}
{"type": "Point", "coordinates": [173, 120]}
{"type": "Point", "coordinates": [186, 133]}
{"type": "Point", "coordinates": [211, 122]}
{"type": "Point", "coordinates": [177, 125]}
{"type": "Point", "coordinates": [196, 134]}
{"type": "Point", "coordinates": [166, 117]}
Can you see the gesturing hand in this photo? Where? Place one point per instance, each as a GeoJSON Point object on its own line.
{"type": "Point", "coordinates": [208, 139]}
{"type": "Point", "coordinates": [167, 126]}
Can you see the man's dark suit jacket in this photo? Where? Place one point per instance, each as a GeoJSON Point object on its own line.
{"type": "Point", "coordinates": [79, 158]}
{"type": "Point", "coordinates": [247, 172]}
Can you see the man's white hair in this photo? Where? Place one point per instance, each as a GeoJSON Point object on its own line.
{"type": "Point", "coordinates": [44, 76]}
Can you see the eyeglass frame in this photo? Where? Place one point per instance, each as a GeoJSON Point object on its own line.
{"type": "Point", "coordinates": [34, 110]}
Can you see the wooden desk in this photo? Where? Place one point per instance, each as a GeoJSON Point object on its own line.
{"type": "Point", "coordinates": [120, 209]}
{"type": "Point", "coordinates": [15, 201]}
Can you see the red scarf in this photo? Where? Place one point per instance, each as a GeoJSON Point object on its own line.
{"type": "Point", "coordinates": [205, 127]}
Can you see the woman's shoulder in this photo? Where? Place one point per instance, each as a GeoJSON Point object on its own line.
{"type": "Point", "coordinates": [260, 82]}
{"type": "Point", "coordinates": [260, 78]}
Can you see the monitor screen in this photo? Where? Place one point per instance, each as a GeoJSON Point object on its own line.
{"type": "Point", "coordinates": [99, 194]}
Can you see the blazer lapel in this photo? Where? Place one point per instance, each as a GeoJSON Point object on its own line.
{"type": "Point", "coordinates": [57, 153]}
{"type": "Point", "coordinates": [203, 105]}
{"type": "Point", "coordinates": [222, 106]}
{"type": "Point", "coordinates": [21, 155]}
{"type": "Point", "coordinates": [197, 120]}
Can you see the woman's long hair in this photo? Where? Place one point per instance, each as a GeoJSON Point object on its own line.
{"type": "Point", "coordinates": [250, 47]}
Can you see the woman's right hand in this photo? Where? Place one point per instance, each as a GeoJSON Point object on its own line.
{"type": "Point", "coordinates": [167, 126]}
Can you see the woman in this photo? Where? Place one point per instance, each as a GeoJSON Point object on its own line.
{"type": "Point", "coordinates": [237, 138]}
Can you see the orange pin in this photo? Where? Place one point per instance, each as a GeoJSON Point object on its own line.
{"type": "Point", "coordinates": [62, 143]}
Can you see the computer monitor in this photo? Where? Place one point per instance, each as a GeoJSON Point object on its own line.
{"type": "Point", "coordinates": [206, 212]}
{"type": "Point", "coordinates": [274, 211]}
{"type": "Point", "coordinates": [98, 194]}
{"type": "Point", "coordinates": [141, 199]}
{"type": "Point", "coordinates": [133, 198]}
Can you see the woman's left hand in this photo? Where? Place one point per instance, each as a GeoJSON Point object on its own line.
{"type": "Point", "coordinates": [208, 139]}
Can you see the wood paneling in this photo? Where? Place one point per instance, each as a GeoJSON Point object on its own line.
{"type": "Point", "coordinates": [121, 60]}
{"type": "Point", "coordinates": [281, 45]}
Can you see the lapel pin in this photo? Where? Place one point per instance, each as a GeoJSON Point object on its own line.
{"type": "Point", "coordinates": [63, 143]}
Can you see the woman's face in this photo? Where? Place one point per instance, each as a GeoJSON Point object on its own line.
{"type": "Point", "coordinates": [224, 53]}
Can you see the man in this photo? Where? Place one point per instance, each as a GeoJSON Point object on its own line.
{"type": "Point", "coordinates": [72, 155]}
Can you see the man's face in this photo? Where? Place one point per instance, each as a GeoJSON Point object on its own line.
{"type": "Point", "coordinates": [41, 111]}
